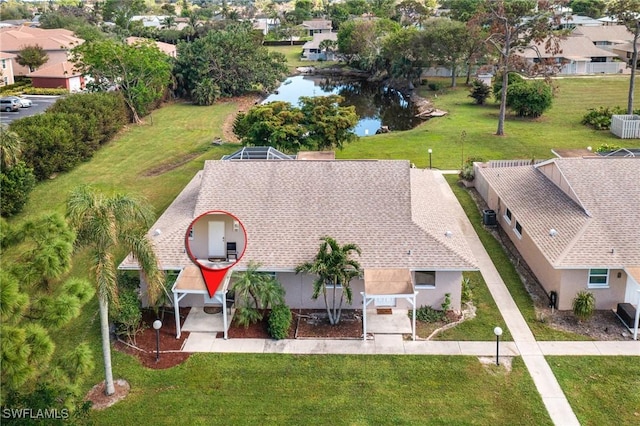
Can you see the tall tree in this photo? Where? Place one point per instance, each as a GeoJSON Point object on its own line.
{"type": "Point", "coordinates": [141, 71]}
{"type": "Point", "coordinates": [30, 311]}
{"type": "Point", "coordinates": [515, 25]}
{"type": "Point", "coordinates": [334, 269]}
{"type": "Point", "coordinates": [328, 124]}
{"type": "Point", "coordinates": [628, 13]}
{"type": "Point", "coordinates": [121, 11]}
{"type": "Point", "coordinates": [403, 60]}
{"type": "Point", "coordinates": [360, 41]}
{"type": "Point", "coordinates": [233, 58]}
{"type": "Point", "coordinates": [592, 8]}
{"type": "Point", "coordinates": [32, 56]}
{"type": "Point", "coordinates": [104, 225]}
{"type": "Point", "coordinates": [445, 42]}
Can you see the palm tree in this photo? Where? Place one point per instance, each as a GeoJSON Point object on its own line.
{"type": "Point", "coordinates": [105, 224]}
{"type": "Point", "coordinates": [10, 147]}
{"type": "Point", "coordinates": [334, 268]}
{"type": "Point", "coordinates": [255, 291]}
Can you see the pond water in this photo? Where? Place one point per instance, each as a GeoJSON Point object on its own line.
{"type": "Point", "coordinates": [376, 105]}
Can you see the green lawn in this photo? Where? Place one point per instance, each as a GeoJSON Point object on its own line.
{"type": "Point", "coordinates": [558, 128]}
{"type": "Point", "coordinates": [601, 390]}
{"type": "Point", "coordinates": [284, 389]}
{"type": "Point", "coordinates": [294, 55]}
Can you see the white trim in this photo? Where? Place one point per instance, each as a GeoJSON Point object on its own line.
{"type": "Point", "coordinates": [515, 230]}
{"type": "Point", "coordinates": [597, 286]}
{"type": "Point", "coordinates": [506, 218]}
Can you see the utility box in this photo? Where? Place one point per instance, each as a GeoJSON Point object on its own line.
{"type": "Point", "coordinates": [489, 218]}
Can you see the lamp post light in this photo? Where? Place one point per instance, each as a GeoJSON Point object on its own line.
{"type": "Point", "coordinates": [157, 324]}
{"type": "Point", "coordinates": [498, 332]}
{"type": "Point", "coordinates": [430, 151]}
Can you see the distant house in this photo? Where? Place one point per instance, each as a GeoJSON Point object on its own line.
{"type": "Point", "coordinates": [575, 21]}
{"type": "Point", "coordinates": [58, 76]}
{"type": "Point", "coordinates": [605, 36]}
{"type": "Point", "coordinates": [168, 48]}
{"type": "Point", "coordinates": [311, 50]}
{"type": "Point", "coordinates": [574, 221]}
{"type": "Point", "coordinates": [6, 68]}
{"type": "Point", "coordinates": [625, 52]}
{"type": "Point", "coordinates": [577, 55]}
{"type": "Point", "coordinates": [56, 43]}
{"type": "Point", "coordinates": [316, 26]}
{"type": "Point", "coordinates": [274, 211]}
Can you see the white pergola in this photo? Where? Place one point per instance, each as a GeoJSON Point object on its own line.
{"type": "Point", "coordinates": [388, 283]}
{"type": "Point", "coordinates": [190, 281]}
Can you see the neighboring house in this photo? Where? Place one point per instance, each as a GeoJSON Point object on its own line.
{"type": "Point", "coordinates": [625, 52]}
{"type": "Point", "coordinates": [158, 21]}
{"type": "Point", "coordinates": [311, 50]}
{"type": "Point", "coordinates": [168, 48]}
{"type": "Point", "coordinates": [574, 221]}
{"type": "Point", "coordinates": [265, 24]}
{"type": "Point", "coordinates": [574, 21]}
{"type": "Point", "coordinates": [403, 219]}
{"type": "Point", "coordinates": [6, 68]}
{"type": "Point", "coordinates": [316, 26]}
{"type": "Point", "coordinates": [577, 55]}
{"type": "Point", "coordinates": [58, 76]}
{"type": "Point", "coordinates": [605, 36]}
{"type": "Point", "coordinates": [56, 43]}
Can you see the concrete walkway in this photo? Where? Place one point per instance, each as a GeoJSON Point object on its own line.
{"type": "Point", "coordinates": [524, 343]}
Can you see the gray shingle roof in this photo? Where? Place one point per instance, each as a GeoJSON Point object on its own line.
{"type": "Point", "coordinates": [603, 215]}
{"type": "Point", "coordinates": [385, 207]}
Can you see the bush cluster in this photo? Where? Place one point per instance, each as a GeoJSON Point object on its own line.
{"type": "Point", "coordinates": [428, 314]}
{"type": "Point", "coordinates": [479, 91]}
{"type": "Point", "coordinates": [530, 98]}
{"type": "Point", "coordinates": [69, 132]}
{"type": "Point", "coordinates": [600, 118]}
{"type": "Point", "coordinates": [16, 183]}
{"type": "Point", "coordinates": [279, 321]}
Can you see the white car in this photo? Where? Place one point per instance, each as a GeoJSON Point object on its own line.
{"type": "Point", "coordinates": [24, 102]}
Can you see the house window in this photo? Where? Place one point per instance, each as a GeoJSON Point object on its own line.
{"type": "Point", "coordinates": [598, 278]}
{"type": "Point", "coordinates": [4, 64]}
{"type": "Point", "coordinates": [425, 279]}
{"type": "Point", "coordinates": [518, 229]}
{"type": "Point", "coordinates": [507, 216]}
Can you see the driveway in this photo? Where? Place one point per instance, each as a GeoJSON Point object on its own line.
{"type": "Point", "coordinates": [40, 104]}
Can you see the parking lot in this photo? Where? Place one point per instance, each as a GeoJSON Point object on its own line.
{"type": "Point", "coordinates": [40, 103]}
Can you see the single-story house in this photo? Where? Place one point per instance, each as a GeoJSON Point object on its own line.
{"type": "Point", "coordinates": [312, 51]}
{"type": "Point", "coordinates": [56, 43]}
{"type": "Point", "coordinates": [625, 52]}
{"type": "Point", "coordinates": [316, 26]}
{"type": "Point", "coordinates": [605, 36]}
{"type": "Point", "coordinates": [274, 212]}
{"type": "Point", "coordinates": [168, 48]}
{"type": "Point", "coordinates": [574, 221]}
{"type": "Point", "coordinates": [61, 75]}
{"type": "Point", "coordinates": [575, 21]}
{"type": "Point", "coordinates": [577, 55]}
{"type": "Point", "coordinates": [6, 64]}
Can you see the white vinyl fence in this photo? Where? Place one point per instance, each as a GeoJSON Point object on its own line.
{"type": "Point", "coordinates": [626, 126]}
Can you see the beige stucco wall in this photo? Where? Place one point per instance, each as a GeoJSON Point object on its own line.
{"type": "Point", "coordinates": [576, 280]}
{"type": "Point", "coordinates": [199, 245]}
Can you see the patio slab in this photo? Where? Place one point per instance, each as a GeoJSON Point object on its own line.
{"type": "Point", "coordinates": [199, 342]}
{"type": "Point", "coordinates": [398, 322]}
{"type": "Point", "coordinates": [200, 321]}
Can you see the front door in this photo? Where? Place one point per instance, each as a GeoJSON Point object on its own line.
{"type": "Point", "coordinates": [216, 239]}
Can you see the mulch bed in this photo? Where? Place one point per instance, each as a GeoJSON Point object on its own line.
{"type": "Point", "coordinates": [145, 345]}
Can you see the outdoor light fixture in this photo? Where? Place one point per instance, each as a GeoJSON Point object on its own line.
{"type": "Point", "coordinates": [157, 324]}
{"type": "Point", "coordinates": [589, 148]}
{"type": "Point", "coordinates": [430, 151]}
{"type": "Point", "coordinates": [498, 332]}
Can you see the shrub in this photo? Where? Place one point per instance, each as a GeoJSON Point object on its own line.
{"type": "Point", "coordinates": [206, 92]}
{"type": "Point", "coordinates": [108, 111]}
{"type": "Point", "coordinates": [16, 183]}
{"type": "Point", "coordinates": [600, 118]}
{"type": "Point", "coordinates": [446, 304]}
{"type": "Point", "coordinates": [530, 99]}
{"type": "Point", "coordinates": [127, 317]}
{"type": "Point", "coordinates": [479, 91]}
{"type": "Point", "coordinates": [41, 91]}
{"type": "Point", "coordinates": [514, 78]}
{"type": "Point", "coordinates": [467, 172]}
{"type": "Point", "coordinates": [467, 290]}
{"type": "Point", "coordinates": [428, 314]}
{"type": "Point", "coordinates": [436, 86]}
{"type": "Point", "coordinates": [605, 147]}
{"type": "Point", "coordinates": [583, 305]}
{"type": "Point", "coordinates": [279, 321]}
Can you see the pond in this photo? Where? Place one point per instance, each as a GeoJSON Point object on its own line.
{"type": "Point", "coordinates": [376, 105]}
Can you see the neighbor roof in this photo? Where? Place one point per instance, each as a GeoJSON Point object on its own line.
{"type": "Point", "coordinates": [570, 47]}
{"type": "Point", "coordinates": [397, 215]}
{"type": "Point", "coordinates": [13, 39]}
{"type": "Point", "coordinates": [319, 38]}
{"type": "Point", "coordinates": [60, 70]}
{"type": "Point", "coordinates": [599, 211]}
{"type": "Point", "coordinates": [610, 33]}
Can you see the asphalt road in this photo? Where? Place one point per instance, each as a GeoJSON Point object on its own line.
{"type": "Point", "coordinates": [40, 103]}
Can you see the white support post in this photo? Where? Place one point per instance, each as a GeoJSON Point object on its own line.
{"type": "Point", "coordinates": [637, 319]}
{"type": "Point", "coordinates": [176, 307]}
{"type": "Point", "coordinates": [364, 316]}
{"type": "Point", "coordinates": [224, 314]}
{"type": "Point", "coordinates": [413, 327]}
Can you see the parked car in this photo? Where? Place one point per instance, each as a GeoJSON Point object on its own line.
{"type": "Point", "coordinates": [9, 104]}
{"type": "Point", "coordinates": [24, 102]}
